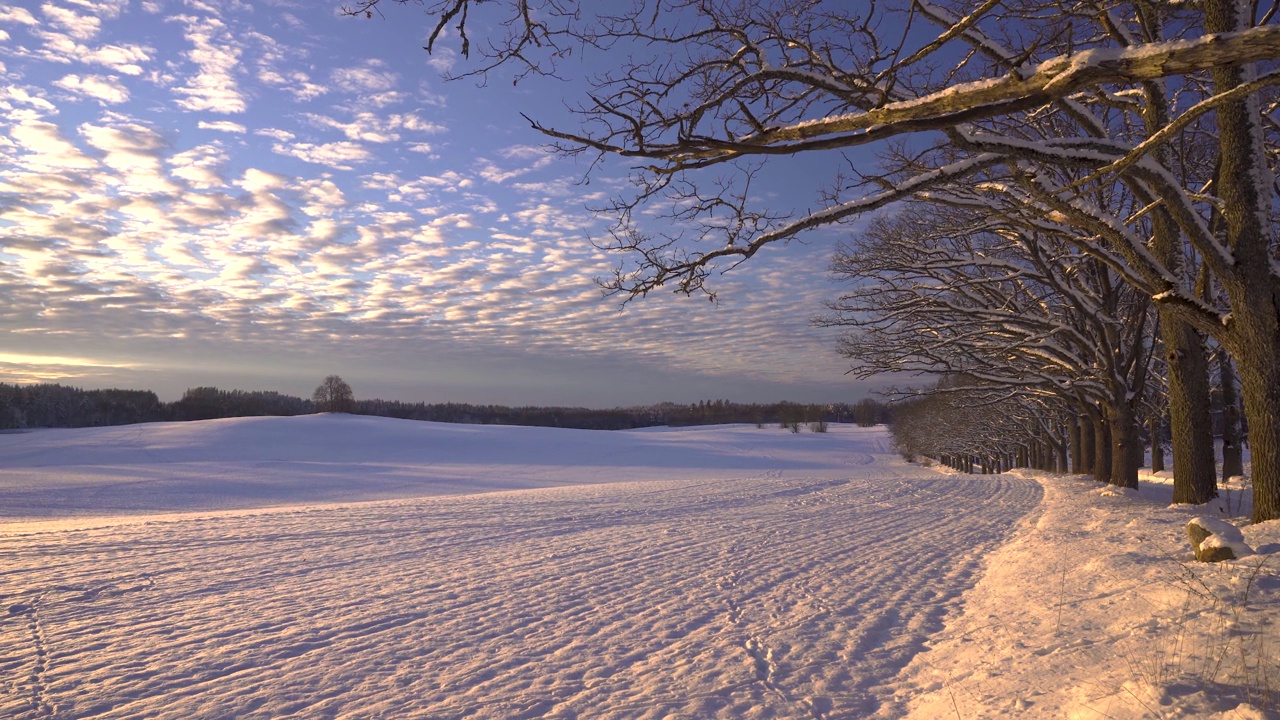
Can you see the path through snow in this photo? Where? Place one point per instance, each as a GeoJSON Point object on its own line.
{"type": "Point", "coordinates": [799, 590]}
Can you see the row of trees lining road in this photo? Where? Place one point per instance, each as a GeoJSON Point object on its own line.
{"type": "Point", "coordinates": [47, 406]}
{"type": "Point", "coordinates": [1120, 150]}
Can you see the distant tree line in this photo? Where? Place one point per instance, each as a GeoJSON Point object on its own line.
{"type": "Point", "coordinates": [706, 412]}
{"type": "Point", "coordinates": [50, 406]}
{"type": "Point", "coordinates": [208, 403]}
{"type": "Point", "coordinates": [28, 406]}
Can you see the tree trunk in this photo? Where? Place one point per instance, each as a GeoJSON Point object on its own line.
{"type": "Point", "coordinates": [1076, 448]}
{"type": "Point", "coordinates": [1194, 479]}
{"type": "Point", "coordinates": [1260, 386]}
{"type": "Point", "coordinates": [1190, 424]}
{"type": "Point", "coordinates": [1124, 446]}
{"type": "Point", "coordinates": [1088, 444]}
{"type": "Point", "coordinates": [1253, 331]}
{"type": "Point", "coordinates": [1232, 451]}
{"type": "Point", "coordinates": [1101, 450]}
{"type": "Point", "coordinates": [1157, 447]}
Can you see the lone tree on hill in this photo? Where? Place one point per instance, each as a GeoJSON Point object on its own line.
{"type": "Point", "coordinates": [333, 395]}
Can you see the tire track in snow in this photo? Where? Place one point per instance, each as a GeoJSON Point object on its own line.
{"type": "Point", "coordinates": [769, 597]}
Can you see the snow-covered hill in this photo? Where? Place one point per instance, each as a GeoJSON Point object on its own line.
{"type": "Point", "coordinates": [260, 462]}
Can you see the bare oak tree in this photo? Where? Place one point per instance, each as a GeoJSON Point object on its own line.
{"type": "Point", "coordinates": [943, 290]}
{"type": "Point", "coordinates": [333, 395]}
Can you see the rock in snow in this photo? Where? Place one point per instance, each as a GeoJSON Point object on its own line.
{"type": "Point", "coordinates": [1215, 540]}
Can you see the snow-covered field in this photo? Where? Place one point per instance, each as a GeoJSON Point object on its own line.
{"type": "Point", "coordinates": [333, 566]}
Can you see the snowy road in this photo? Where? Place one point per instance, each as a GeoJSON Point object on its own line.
{"type": "Point", "coordinates": [795, 591]}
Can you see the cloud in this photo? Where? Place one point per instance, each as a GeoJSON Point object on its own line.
{"type": "Point", "coordinates": [200, 166]}
{"type": "Point", "coordinates": [66, 49]}
{"type": "Point", "coordinates": [416, 123]}
{"type": "Point", "coordinates": [106, 89]}
{"type": "Point", "coordinates": [337, 155]}
{"type": "Point", "coordinates": [135, 152]}
{"type": "Point", "coordinates": [21, 95]}
{"type": "Point", "coordinates": [295, 82]}
{"type": "Point", "coordinates": [48, 149]}
{"type": "Point", "coordinates": [365, 126]}
{"type": "Point", "coordinates": [442, 59]}
{"type": "Point", "coordinates": [275, 134]}
{"type": "Point", "coordinates": [383, 100]}
{"type": "Point", "coordinates": [255, 180]}
{"type": "Point", "coordinates": [222, 126]}
{"type": "Point", "coordinates": [526, 152]}
{"type": "Point", "coordinates": [532, 158]}
{"type": "Point", "coordinates": [323, 197]}
{"type": "Point", "coordinates": [125, 59]}
{"type": "Point", "coordinates": [217, 55]}
{"type": "Point", "coordinates": [32, 368]}
{"type": "Point", "coordinates": [17, 16]}
{"type": "Point", "coordinates": [221, 7]}
{"type": "Point", "coordinates": [367, 79]}
{"type": "Point", "coordinates": [277, 64]}
{"type": "Point", "coordinates": [80, 27]}
{"type": "Point", "coordinates": [109, 9]}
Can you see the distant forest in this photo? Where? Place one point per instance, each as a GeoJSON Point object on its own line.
{"type": "Point", "coordinates": [59, 406]}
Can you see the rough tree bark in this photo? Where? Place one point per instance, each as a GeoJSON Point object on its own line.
{"type": "Point", "coordinates": [1157, 444]}
{"type": "Point", "coordinates": [1232, 448]}
{"type": "Point", "coordinates": [1253, 328]}
{"type": "Point", "coordinates": [1088, 444]}
{"type": "Point", "coordinates": [1077, 450]}
{"type": "Point", "coordinates": [1190, 422]}
{"type": "Point", "coordinates": [1188, 370]}
{"type": "Point", "coordinates": [1101, 449]}
{"type": "Point", "coordinates": [1123, 425]}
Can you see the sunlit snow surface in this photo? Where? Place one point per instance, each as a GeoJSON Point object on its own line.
{"type": "Point", "coordinates": [728, 572]}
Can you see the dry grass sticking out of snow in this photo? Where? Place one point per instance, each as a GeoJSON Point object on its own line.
{"type": "Point", "coordinates": [1097, 609]}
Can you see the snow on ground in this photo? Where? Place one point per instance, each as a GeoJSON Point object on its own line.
{"type": "Point", "coordinates": [729, 572]}
{"type": "Point", "coordinates": [343, 567]}
{"type": "Point", "coordinates": [1098, 609]}
{"type": "Point", "coordinates": [263, 462]}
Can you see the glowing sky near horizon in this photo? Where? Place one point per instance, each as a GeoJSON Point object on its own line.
{"type": "Point", "coordinates": [255, 195]}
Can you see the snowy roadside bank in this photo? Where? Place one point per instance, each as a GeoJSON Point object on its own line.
{"type": "Point", "coordinates": [1097, 609]}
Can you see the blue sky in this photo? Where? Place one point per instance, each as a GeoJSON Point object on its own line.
{"type": "Point", "coordinates": [255, 195]}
